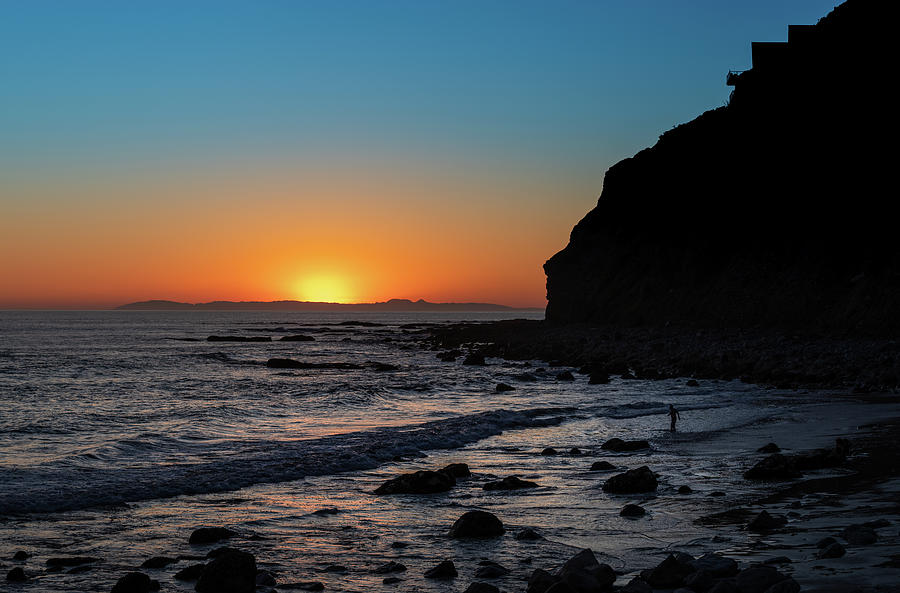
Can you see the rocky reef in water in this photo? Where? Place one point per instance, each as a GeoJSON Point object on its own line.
{"type": "Point", "coordinates": [774, 211]}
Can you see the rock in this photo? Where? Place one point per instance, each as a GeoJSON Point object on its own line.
{"type": "Point", "coordinates": [725, 586]}
{"type": "Point", "coordinates": [685, 490]}
{"type": "Point", "coordinates": [575, 452]}
{"type": "Point", "coordinates": [528, 534]}
{"type": "Point", "coordinates": [584, 574]}
{"type": "Point", "coordinates": [239, 339]}
{"type": "Point", "coordinates": [540, 581]}
{"type": "Point", "coordinates": [397, 545]}
{"type": "Point", "coordinates": [602, 466]}
{"type": "Point", "coordinates": [717, 493]}
{"type": "Point", "coordinates": [775, 560]}
{"type": "Point", "coordinates": [668, 574]}
{"type": "Point", "coordinates": [390, 567]}
{"type": "Point", "coordinates": [788, 585]}
{"type": "Point", "coordinates": [420, 482]}
{"type": "Point", "coordinates": [501, 387]}
{"type": "Point", "coordinates": [619, 446]}
{"type": "Point", "coordinates": [383, 367]}
{"type": "Point", "coordinates": [16, 575]}
{"type": "Point", "coordinates": [636, 585]}
{"type": "Point", "coordinates": [561, 587]}
{"type": "Point", "coordinates": [766, 522]}
{"type": "Point", "coordinates": [444, 570]}
{"type": "Point", "coordinates": [565, 376]}
{"type": "Point", "coordinates": [692, 383]}
{"type": "Point", "coordinates": [509, 483]}
{"type": "Point", "coordinates": [391, 580]}
{"type": "Point", "coordinates": [210, 535]}
{"type": "Point", "coordinates": [825, 542]}
{"type": "Point", "coordinates": [230, 572]}
{"type": "Point", "coordinates": [290, 363]}
{"type": "Point", "coordinates": [158, 562]}
{"type": "Point", "coordinates": [717, 566]}
{"type": "Point", "coordinates": [859, 535]}
{"type": "Point", "coordinates": [876, 524]}
{"type": "Point", "coordinates": [758, 579]}
{"type": "Point", "coordinates": [457, 470]}
{"type": "Point", "coordinates": [632, 481]}
{"type": "Point", "coordinates": [219, 551]}
{"type": "Point", "coordinates": [490, 570]}
{"type": "Point", "coordinates": [477, 524]}
{"type": "Point", "coordinates": [71, 561]}
{"type": "Point", "coordinates": [190, 573]}
{"type": "Point", "coordinates": [298, 338]}
{"type": "Point", "coordinates": [598, 379]}
{"type": "Point", "coordinates": [699, 580]}
{"type": "Point", "coordinates": [20, 556]}
{"type": "Point", "coordinates": [264, 578]}
{"type": "Point", "coordinates": [303, 586]}
{"type": "Point", "coordinates": [833, 550]}
{"type": "Point", "coordinates": [133, 582]}
{"type": "Point", "coordinates": [773, 467]}
{"type": "Point", "coordinates": [335, 568]}
{"type": "Point", "coordinates": [632, 510]}
{"type": "Point", "coordinates": [549, 451]}
{"type": "Point", "coordinates": [527, 377]}
{"type": "Point", "coordinates": [474, 359]}
{"type": "Point", "coordinates": [769, 448]}
{"type": "Point", "coordinates": [477, 587]}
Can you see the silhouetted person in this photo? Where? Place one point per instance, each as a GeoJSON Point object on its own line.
{"type": "Point", "coordinates": [674, 415]}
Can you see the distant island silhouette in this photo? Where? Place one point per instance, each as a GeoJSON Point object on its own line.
{"type": "Point", "coordinates": [390, 305]}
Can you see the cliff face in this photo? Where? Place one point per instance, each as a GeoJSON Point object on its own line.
{"type": "Point", "coordinates": [775, 210]}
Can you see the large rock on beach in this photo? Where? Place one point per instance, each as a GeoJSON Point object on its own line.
{"type": "Point", "coordinates": [509, 483]}
{"type": "Point", "coordinates": [420, 482]}
{"type": "Point", "coordinates": [758, 579]}
{"type": "Point", "coordinates": [859, 535]}
{"type": "Point", "coordinates": [135, 582]}
{"type": "Point", "coordinates": [477, 524]}
{"type": "Point", "coordinates": [617, 445]}
{"type": "Point", "coordinates": [488, 569]}
{"type": "Point", "coordinates": [539, 581]}
{"type": "Point", "coordinates": [445, 570]}
{"type": "Point", "coordinates": [632, 482]}
{"type": "Point", "coordinates": [717, 566]}
{"type": "Point", "coordinates": [773, 467]}
{"type": "Point", "coordinates": [210, 535]}
{"type": "Point", "coordinates": [190, 573]}
{"type": "Point", "coordinates": [478, 587]}
{"type": "Point", "coordinates": [668, 574]}
{"type": "Point", "coordinates": [16, 575]}
{"type": "Point", "coordinates": [474, 359]}
{"type": "Point", "coordinates": [584, 574]}
{"type": "Point", "coordinates": [457, 470]}
{"type": "Point", "coordinates": [766, 522]}
{"type": "Point", "coordinates": [231, 572]}
{"type": "Point", "coordinates": [633, 511]}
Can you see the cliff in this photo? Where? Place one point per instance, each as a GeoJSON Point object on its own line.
{"type": "Point", "coordinates": [773, 211]}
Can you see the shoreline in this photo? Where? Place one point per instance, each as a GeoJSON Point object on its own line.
{"type": "Point", "coordinates": [784, 359]}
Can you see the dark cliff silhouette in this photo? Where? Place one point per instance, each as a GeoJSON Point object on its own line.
{"type": "Point", "coordinates": [775, 210]}
{"type": "Point", "coordinates": [390, 305]}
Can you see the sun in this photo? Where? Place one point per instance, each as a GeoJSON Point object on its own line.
{"type": "Point", "coordinates": [324, 289]}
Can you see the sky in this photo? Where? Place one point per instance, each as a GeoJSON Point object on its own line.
{"type": "Point", "coordinates": [341, 151]}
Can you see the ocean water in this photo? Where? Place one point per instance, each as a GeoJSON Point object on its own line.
{"type": "Point", "coordinates": [120, 432]}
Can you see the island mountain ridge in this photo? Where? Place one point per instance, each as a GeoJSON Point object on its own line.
{"type": "Point", "coordinates": [290, 305]}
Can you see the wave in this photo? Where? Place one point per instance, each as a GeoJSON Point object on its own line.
{"type": "Point", "coordinates": [49, 489]}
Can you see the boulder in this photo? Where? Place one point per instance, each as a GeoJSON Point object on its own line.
{"type": "Point", "coordinates": [825, 542]}
{"type": "Point", "coordinates": [444, 570]}
{"type": "Point", "coordinates": [190, 573]}
{"type": "Point", "coordinates": [16, 575]}
{"type": "Point", "coordinates": [692, 383]}
{"type": "Point", "coordinates": [549, 451]}
{"type": "Point", "coordinates": [699, 580]}
{"type": "Point", "coordinates": [474, 359]}
{"type": "Point", "coordinates": [724, 586]}
{"type": "Point", "coordinates": [501, 387]}
{"type": "Point", "coordinates": [632, 510]}
{"type": "Point", "coordinates": [685, 490]}
{"type": "Point", "coordinates": [602, 466]}
{"type": "Point", "coordinates": [390, 567]}
{"type": "Point", "coordinates": [717, 566]}
{"type": "Point", "coordinates": [264, 578]}
{"type": "Point", "coordinates": [766, 522]}
{"type": "Point", "coordinates": [565, 376]}
{"type": "Point", "coordinates": [210, 535]}
{"type": "Point", "coordinates": [509, 483]}
{"type": "Point", "coordinates": [788, 585]}
{"type": "Point", "coordinates": [667, 574]}
{"type": "Point", "coordinates": [833, 550]}
{"type": "Point", "coordinates": [420, 482]}
{"type": "Point", "coordinates": [230, 572]}
{"type": "Point", "coordinates": [575, 452]}
{"type": "Point", "coordinates": [859, 535]}
{"type": "Point", "coordinates": [477, 587]}
{"type": "Point", "coordinates": [71, 561]}
{"type": "Point", "coordinates": [619, 446]}
{"type": "Point", "coordinates": [391, 580]}
{"type": "Point", "coordinates": [769, 448]}
{"type": "Point", "coordinates": [584, 574]}
{"type": "Point", "coordinates": [758, 579]}
{"type": "Point", "coordinates": [330, 568]}
{"type": "Point", "coordinates": [20, 556]}
{"type": "Point", "coordinates": [636, 585]}
{"type": "Point", "coordinates": [457, 470]}
{"type": "Point", "coordinates": [773, 467]}
{"type": "Point", "coordinates": [528, 534]}
{"type": "Point", "coordinates": [598, 379]}
{"type": "Point", "coordinates": [490, 570]}
{"type": "Point", "coordinates": [540, 581]}
{"type": "Point", "coordinates": [477, 524]}
{"type": "Point", "coordinates": [290, 363]}
{"type": "Point", "coordinates": [215, 553]}
{"type": "Point", "coordinates": [383, 367]}
{"type": "Point", "coordinates": [158, 562]}
{"type": "Point", "coordinates": [632, 481]}
{"type": "Point", "coordinates": [134, 582]}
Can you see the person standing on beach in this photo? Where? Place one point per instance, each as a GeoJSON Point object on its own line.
{"type": "Point", "coordinates": [674, 415]}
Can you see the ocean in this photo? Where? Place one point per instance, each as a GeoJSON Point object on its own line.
{"type": "Point", "coordinates": [121, 432]}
